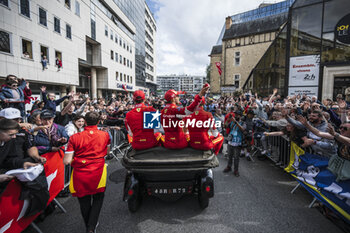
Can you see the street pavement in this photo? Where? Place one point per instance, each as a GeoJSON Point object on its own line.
{"type": "Point", "coordinates": [257, 201]}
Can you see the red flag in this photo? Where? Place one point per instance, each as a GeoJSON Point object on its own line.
{"type": "Point", "coordinates": [12, 209]}
{"type": "Point", "coordinates": [124, 87]}
{"type": "Point", "coordinates": [218, 65]}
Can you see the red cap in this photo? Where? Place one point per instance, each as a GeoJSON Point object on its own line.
{"type": "Point", "coordinates": [206, 85]}
{"type": "Point", "coordinates": [139, 95]}
{"type": "Point", "coordinates": [169, 95]}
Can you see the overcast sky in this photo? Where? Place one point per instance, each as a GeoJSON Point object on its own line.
{"type": "Point", "coordinates": [187, 30]}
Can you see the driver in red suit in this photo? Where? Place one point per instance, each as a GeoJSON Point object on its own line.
{"type": "Point", "coordinates": [174, 137]}
{"type": "Point", "coordinates": [199, 136]}
{"type": "Point", "coordinates": [139, 137]}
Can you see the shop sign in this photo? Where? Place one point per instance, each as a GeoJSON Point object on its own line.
{"type": "Point", "coordinates": [304, 70]}
{"type": "Point", "coordinates": [228, 89]}
{"type": "Point", "coordinates": [119, 85]}
{"type": "Point", "coordinates": [342, 30]}
{"type": "Point", "coordinates": [309, 91]}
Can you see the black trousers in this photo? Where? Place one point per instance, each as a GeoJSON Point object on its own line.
{"type": "Point", "coordinates": [90, 207]}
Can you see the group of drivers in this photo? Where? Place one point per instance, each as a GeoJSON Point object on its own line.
{"type": "Point", "coordinates": [175, 137]}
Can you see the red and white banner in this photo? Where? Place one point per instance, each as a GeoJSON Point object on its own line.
{"type": "Point", "coordinates": [12, 209]}
{"type": "Point", "coordinates": [218, 65]}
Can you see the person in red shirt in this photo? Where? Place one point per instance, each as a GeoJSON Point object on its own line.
{"type": "Point", "coordinates": [139, 137]}
{"type": "Point", "coordinates": [174, 137]}
{"type": "Point", "coordinates": [232, 114]}
{"type": "Point", "coordinates": [199, 133]}
{"type": "Point", "coordinates": [85, 152]}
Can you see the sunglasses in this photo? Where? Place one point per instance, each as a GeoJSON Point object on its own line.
{"type": "Point", "coordinates": [343, 128]}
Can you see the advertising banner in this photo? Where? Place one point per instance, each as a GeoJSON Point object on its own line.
{"type": "Point", "coordinates": [309, 91]}
{"type": "Point", "coordinates": [304, 71]}
{"type": "Point", "coordinates": [312, 173]}
{"type": "Point", "coordinates": [342, 30]}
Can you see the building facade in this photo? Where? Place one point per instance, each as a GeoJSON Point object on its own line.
{"type": "Point", "coordinates": [310, 55]}
{"type": "Point", "coordinates": [243, 41]}
{"type": "Point", "coordinates": [189, 84]}
{"type": "Point", "coordinates": [94, 40]}
{"type": "Point", "coordinates": [150, 45]}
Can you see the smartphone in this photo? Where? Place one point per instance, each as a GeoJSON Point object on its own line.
{"type": "Point", "coordinates": [299, 111]}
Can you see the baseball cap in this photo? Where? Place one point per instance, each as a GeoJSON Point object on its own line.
{"type": "Point", "coordinates": [26, 175]}
{"type": "Point", "coordinates": [170, 94]}
{"type": "Point", "coordinates": [10, 113]}
{"type": "Point", "coordinates": [239, 113]}
{"type": "Point", "coordinates": [139, 95]}
{"type": "Point", "coordinates": [251, 112]}
{"type": "Point", "coordinates": [340, 96]}
{"type": "Point", "coordinates": [46, 114]}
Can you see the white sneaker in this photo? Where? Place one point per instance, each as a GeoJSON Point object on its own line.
{"type": "Point", "coordinates": [263, 152]}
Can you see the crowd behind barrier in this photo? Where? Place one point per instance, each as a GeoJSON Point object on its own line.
{"type": "Point", "coordinates": [256, 126]}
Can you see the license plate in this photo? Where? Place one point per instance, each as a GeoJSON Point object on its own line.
{"type": "Point", "coordinates": [165, 191]}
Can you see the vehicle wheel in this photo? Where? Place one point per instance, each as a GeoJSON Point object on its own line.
{"type": "Point", "coordinates": [203, 200]}
{"type": "Point", "coordinates": [134, 203]}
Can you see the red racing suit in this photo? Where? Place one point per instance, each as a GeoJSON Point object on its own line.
{"type": "Point", "coordinates": [174, 137]}
{"type": "Point", "coordinates": [139, 137]}
{"type": "Point", "coordinates": [199, 133]}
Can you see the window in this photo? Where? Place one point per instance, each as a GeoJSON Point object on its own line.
{"type": "Point", "coordinates": [127, 47]}
{"type": "Point", "coordinates": [42, 17]}
{"type": "Point", "coordinates": [120, 41]}
{"type": "Point", "coordinates": [116, 76]}
{"type": "Point", "coordinates": [5, 42]}
{"type": "Point", "coordinates": [116, 57]}
{"type": "Point", "coordinates": [68, 31]}
{"type": "Point", "coordinates": [4, 2]}
{"type": "Point", "coordinates": [237, 58]}
{"type": "Point", "coordinates": [237, 84]}
{"type": "Point", "coordinates": [116, 38]}
{"type": "Point", "coordinates": [237, 77]}
{"type": "Point", "coordinates": [130, 50]}
{"type": "Point", "coordinates": [124, 77]}
{"type": "Point", "coordinates": [67, 3]}
{"type": "Point", "coordinates": [25, 8]}
{"type": "Point", "coordinates": [124, 61]}
{"type": "Point", "coordinates": [57, 26]}
{"type": "Point", "coordinates": [58, 55]}
{"type": "Point", "coordinates": [106, 30]}
{"type": "Point", "coordinates": [112, 55]}
{"type": "Point", "coordinates": [27, 49]}
{"type": "Point", "coordinates": [121, 77]}
{"type": "Point", "coordinates": [120, 59]}
{"type": "Point", "coordinates": [128, 78]}
{"type": "Point", "coordinates": [124, 44]}
{"type": "Point", "coordinates": [111, 35]}
{"type": "Point", "coordinates": [44, 51]}
{"type": "Point", "coordinates": [77, 8]}
{"type": "Point", "coordinates": [127, 63]}
{"type": "Point", "coordinates": [130, 64]}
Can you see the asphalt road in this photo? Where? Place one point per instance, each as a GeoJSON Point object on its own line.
{"type": "Point", "coordinates": [257, 201]}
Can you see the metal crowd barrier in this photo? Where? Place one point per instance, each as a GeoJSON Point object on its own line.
{"type": "Point", "coordinates": [278, 150]}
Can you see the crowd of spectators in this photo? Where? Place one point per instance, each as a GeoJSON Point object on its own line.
{"type": "Point", "coordinates": [319, 127]}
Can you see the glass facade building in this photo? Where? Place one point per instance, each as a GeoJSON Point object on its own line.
{"type": "Point", "coordinates": [261, 12]}
{"type": "Point", "coordinates": [318, 28]}
{"type": "Point", "coordinates": [135, 11]}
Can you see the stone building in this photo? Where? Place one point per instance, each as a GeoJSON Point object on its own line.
{"type": "Point", "coordinates": [242, 42]}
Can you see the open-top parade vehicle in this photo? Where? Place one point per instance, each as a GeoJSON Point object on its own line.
{"type": "Point", "coordinates": [168, 175]}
